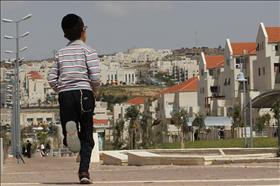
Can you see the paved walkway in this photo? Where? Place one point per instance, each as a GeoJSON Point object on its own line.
{"type": "Point", "coordinates": [63, 171]}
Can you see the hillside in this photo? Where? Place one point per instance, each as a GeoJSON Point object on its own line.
{"type": "Point", "coordinates": [130, 91]}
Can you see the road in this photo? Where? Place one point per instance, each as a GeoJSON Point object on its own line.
{"type": "Point", "coordinates": [63, 171]}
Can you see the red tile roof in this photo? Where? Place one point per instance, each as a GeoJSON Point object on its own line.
{"type": "Point", "coordinates": [100, 121]}
{"type": "Point", "coordinates": [136, 101]}
{"type": "Point", "coordinates": [273, 34]}
{"type": "Point", "coordinates": [239, 48]}
{"type": "Point", "coordinates": [34, 75]}
{"type": "Point", "coordinates": [186, 86]}
{"type": "Point", "coordinates": [214, 61]}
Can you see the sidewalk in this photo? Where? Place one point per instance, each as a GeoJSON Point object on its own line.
{"type": "Point", "coordinates": [63, 171]}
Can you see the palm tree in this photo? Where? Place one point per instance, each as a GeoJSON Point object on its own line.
{"type": "Point", "coordinates": [132, 114]}
{"type": "Point", "coordinates": [179, 119]}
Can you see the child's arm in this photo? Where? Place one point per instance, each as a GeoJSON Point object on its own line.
{"type": "Point", "coordinates": [92, 61]}
{"type": "Point", "coordinates": [53, 75]}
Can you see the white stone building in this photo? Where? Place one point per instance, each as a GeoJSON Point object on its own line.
{"type": "Point", "coordinates": [35, 89]}
{"type": "Point", "coordinates": [5, 117]}
{"type": "Point", "coordinates": [115, 73]}
{"type": "Point", "coordinates": [181, 96]}
{"type": "Point", "coordinates": [267, 65]}
{"type": "Point", "coordinates": [37, 117]}
{"type": "Point", "coordinates": [236, 54]}
{"type": "Point", "coordinates": [210, 95]}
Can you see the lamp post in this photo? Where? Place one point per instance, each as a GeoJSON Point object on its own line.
{"type": "Point", "coordinates": [16, 104]}
{"type": "Point", "coordinates": [242, 79]}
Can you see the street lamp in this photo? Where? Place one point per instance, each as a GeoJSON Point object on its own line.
{"type": "Point", "coordinates": [16, 104]}
{"type": "Point", "coordinates": [241, 78]}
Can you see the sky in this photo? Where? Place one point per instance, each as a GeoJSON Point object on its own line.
{"type": "Point", "coordinates": [116, 26]}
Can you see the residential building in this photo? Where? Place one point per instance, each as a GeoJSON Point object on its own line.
{"type": "Point", "coordinates": [38, 116]}
{"type": "Point", "coordinates": [35, 89]}
{"type": "Point", "coordinates": [237, 54]}
{"type": "Point", "coordinates": [5, 117]}
{"type": "Point", "coordinates": [181, 96]}
{"type": "Point", "coordinates": [114, 73]}
{"type": "Point", "coordinates": [210, 73]}
{"type": "Point", "coordinates": [101, 123]}
{"type": "Point", "coordinates": [267, 65]}
{"type": "Point", "coordinates": [184, 69]}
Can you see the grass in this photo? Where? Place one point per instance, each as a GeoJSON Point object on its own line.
{"type": "Point", "coordinates": [258, 142]}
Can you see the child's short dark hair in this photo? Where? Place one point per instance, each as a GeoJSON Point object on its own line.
{"type": "Point", "coordinates": [72, 26]}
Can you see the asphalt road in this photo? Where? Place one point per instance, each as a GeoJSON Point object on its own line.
{"type": "Point", "coordinates": [63, 171]}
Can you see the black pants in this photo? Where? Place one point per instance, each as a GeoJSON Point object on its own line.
{"type": "Point", "coordinates": [78, 106]}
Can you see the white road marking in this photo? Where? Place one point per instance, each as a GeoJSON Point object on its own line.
{"type": "Point", "coordinates": [162, 181]}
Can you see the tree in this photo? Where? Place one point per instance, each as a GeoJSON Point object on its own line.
{"type": "Point", "coordinates": [179, 119]}
{"type": "Point", "coordinates": [276, 114]}
{"type": "Point", "coordinates": [262, 122]}
{"type": "Point", "coordinates": [146, 124]}
{"type": "Point", "coordinates": [276, 110]}
{"type": "Point", "coordinates": [118, 134]}
{"type": "Point", "coordinates": [132, 114]}
{"type": "Point", "coordinates": [199, 122]}
{"type": "Point", "coordinates": [236, 119]}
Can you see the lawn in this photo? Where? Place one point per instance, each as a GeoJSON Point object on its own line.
{"type": "Point", "coordinates": [258, 142]}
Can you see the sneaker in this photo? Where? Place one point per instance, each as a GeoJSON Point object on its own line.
{"type": "Point", "coordinates": [84, 178]}
{"type": "Point", "coordinates": [73, 141]}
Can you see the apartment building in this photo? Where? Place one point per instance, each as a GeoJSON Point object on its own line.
{"type": "Point", "coordinates": [210, 94]}
{"type": "Point", "coordinates": [237, 54]}
{"type": "Point", "coordinates": [267, 65]}
{"type": "Point", "coordinates": [184, 69]}
{"type": "Point", "coordinates": [5, 116]}
{"type": "Point", "coordinates": [181, 96]}
{"type": "Point", "coordinates": [115, 73]}
{"type": "Point", "coordinates": [35, 88]}
{"type": "Point", "coordinates": [101, 123]}
{"type": "Point", "coordinates": [38, 117]}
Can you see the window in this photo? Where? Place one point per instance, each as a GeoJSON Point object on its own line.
{"type": "Point", "coordinates": [276, 47]}
{"type": "Point", "coordinates": [258, 47]}
{"type": "Point", "coordinates": [227, 62]}
{"type": "Point", "coordinates": [211, 72]}
{"type": "Point", "coordinates": [259, 71]}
